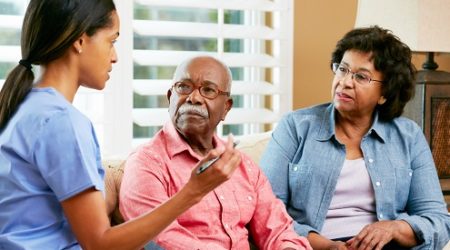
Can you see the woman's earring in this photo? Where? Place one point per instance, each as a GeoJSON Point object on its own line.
{"type": "Point", "coordinates": [382, 100]}
{"type": "Point", "coordinates": [79, 51]}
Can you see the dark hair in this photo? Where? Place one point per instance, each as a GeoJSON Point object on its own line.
{"type": "Point", "coordinates": [49, 28]}
{"type": "Point", "coordinates": [391, 57]}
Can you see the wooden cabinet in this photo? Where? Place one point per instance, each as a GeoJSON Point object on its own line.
{"type": "Point", "coordinates": [430, 108]}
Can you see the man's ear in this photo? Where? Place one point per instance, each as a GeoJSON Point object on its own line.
{"type": "Point", "coordinates": [169, 94]}
{"type": "Point", "coordinates": [228, 105]}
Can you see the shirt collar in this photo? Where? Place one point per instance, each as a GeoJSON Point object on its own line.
{"type": "Point", "coordinates": [327, 126]}
{"type": "Point", "coordinates": [378, 128]}
{"type": "Point", "coordinates": [326, 130]}
{"type": "Point", "coordinates": [177, 145]}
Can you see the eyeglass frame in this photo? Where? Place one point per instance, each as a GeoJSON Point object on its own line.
{"type": "Point", "coordinates": [219, 92]}
{"type": "Point", "coordinates": [335, 67]}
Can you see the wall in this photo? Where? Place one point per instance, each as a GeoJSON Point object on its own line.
{"type": "Point", "coordinates": [318, 25]}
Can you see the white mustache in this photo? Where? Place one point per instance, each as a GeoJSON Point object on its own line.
{"type": "Point", "coordinates": [193, 109]}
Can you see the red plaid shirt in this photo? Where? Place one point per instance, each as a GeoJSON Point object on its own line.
{"type": "Point", "coordinates": [245, 205]}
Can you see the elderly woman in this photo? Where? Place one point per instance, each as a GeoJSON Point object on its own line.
{"type": "Point", "coordinates": [352, 173]}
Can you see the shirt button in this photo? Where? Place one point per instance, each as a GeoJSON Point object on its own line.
{"type": "Point", "coordinates": [377, 183]}
{"type": "Point", "coordinates": [370, 160]}
{"type": "Point", "coordinates": [381, 216]}
{"type": "Point", "coordinates": [221, 197]}
{"type": "Point", "coordinates": [410, 173]}
{"type": "Point", "coordinates": [295, 168]}
{"type": "Point", "coordinates": [226, 226]}
{"type": "Point", "coordinates": [249, 198]}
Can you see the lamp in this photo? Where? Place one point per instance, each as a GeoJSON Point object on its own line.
{"type": "Point", "coordinates": [424, 25]}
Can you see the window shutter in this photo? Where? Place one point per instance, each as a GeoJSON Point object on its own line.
{"type": "Point", "coordinates": [253, 37]}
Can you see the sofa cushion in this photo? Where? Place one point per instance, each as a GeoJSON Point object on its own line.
{"type": "Point", "coordinates": [254, 145]}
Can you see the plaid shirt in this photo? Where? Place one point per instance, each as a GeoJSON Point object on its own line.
{"type": "Point", "coordinates": [245, 205]}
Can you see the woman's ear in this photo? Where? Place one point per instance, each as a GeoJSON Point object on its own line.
{"type": "Point", "coordinates": [78, 44]}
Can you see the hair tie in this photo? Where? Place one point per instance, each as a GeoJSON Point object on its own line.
{"type": "Point", "coordinates": [26, 64]}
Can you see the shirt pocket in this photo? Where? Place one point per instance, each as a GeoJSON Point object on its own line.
{"type": "Point", "coordinates": [209, 208]}
{"type": "Point", "coordinates": [402, 186]}
{"type": "Point", "coordinates": [299, 183]}
{"type": "Point", "coordinates": [246, 205]}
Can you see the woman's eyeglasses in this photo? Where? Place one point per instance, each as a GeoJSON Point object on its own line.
{"type": "Point", "coordinates": [341, 71]}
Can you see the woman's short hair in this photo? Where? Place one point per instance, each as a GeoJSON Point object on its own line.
{"type": "Point", "coordinates": [391, 57]}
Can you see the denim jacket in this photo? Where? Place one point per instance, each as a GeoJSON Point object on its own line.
{"type": "Point", "coordinates": [304, 159]}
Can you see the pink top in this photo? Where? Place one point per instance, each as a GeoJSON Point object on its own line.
{"type": "Point", "coordinates": [245, 205]}
{"type": "Point", "coordinates": [353, 203]}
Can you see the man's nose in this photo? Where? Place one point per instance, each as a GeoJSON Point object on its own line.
{"type": "Point", "coordinates": [195, 97]}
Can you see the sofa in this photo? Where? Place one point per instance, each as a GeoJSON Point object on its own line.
{"type": "Point", "coordinates": [252, 145]}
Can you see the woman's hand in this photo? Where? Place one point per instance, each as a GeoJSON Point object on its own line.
{"type": "Point", "coordinates": [374, 236]}
{"type": "Point", "coordinates": [219, 172]}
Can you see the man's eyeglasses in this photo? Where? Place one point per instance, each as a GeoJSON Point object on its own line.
{"type": "Point", "coordinates": [208, 90]}
{"type": "Point", "coordinates": [341, 71]}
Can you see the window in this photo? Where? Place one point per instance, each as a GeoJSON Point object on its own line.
{"type": "Point", "coordinates": [90, 102]}
{"type": "Point", "coordinates": [11, 13]}
{"type": "Point", "coordinates": [253, 37]}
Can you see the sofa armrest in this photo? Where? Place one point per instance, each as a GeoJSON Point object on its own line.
{"type": "Point", "coordinates": [113, 180]}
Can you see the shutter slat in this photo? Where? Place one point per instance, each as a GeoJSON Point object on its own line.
{"type": "Point", "coordinates": [10, 54]}
{"type": "Point", "coordinates": [173, 58]}
{"type": "Point", "coordinates": [260, 5]}
{"type": "Point", "coordinates": [151, 87]}
{"type": "Point", "coordinates": [11, 22]}
{"type": "Point", "coordinates": [205, 30]}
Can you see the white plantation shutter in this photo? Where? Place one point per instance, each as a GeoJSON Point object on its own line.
{"type": "Point", "coordinates": [253, 37]}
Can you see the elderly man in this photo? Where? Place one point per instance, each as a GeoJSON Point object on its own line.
{"type": "Point", "coordinates": [243, 206]}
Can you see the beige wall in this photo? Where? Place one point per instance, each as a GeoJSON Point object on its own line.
{"type": "Point", "coordinates": [318, 25]}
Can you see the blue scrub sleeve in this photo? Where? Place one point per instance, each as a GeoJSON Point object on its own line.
{"type": "Point", "coordinates": [67, 156]}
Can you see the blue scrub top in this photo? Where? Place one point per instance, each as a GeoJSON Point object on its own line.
{"type": "Point", "coordinates": [48, 153]}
